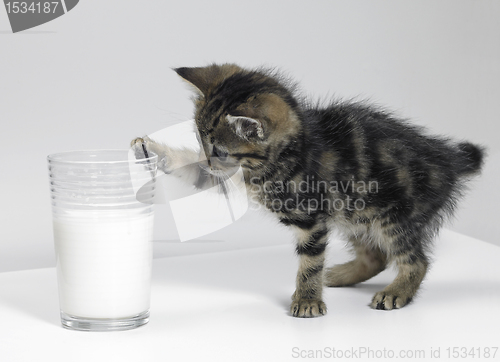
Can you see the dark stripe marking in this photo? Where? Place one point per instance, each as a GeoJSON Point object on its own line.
{"type": "Point", "coordinates": [312, 249]}
{"type": "Point", "coordinates": [310, 272]}
{"type": "Point", "coordinates": [303, 224]}
{"type": "Point", "coordinates": [216, 122]}
{"type": "Point", "coordinates": [318, 235]}
{"type": "Point", "coordinates": [249, 155]}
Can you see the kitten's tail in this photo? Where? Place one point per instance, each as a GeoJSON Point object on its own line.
{"type": "Point", "coordinates": [470, 159]}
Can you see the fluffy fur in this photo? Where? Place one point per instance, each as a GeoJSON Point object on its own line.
{"type": "Point", "coordinates": [386, 185]}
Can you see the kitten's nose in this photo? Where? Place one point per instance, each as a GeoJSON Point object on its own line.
{"type": "Point", "coordinates": [218, 153]}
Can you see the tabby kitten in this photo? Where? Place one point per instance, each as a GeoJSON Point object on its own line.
{"type": "Point", "coordinates": [384, 184]}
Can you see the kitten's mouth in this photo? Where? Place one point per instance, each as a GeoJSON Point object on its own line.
{"type": "Point", "coordinates": [218, 173]}
{"type": "Point", "coordinates": [225, 172]}
{"type": "Point", "coordinates": [213, 170]}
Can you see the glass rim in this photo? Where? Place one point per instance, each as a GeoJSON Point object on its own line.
{"type": "Point", "coordinates": [53, 158]}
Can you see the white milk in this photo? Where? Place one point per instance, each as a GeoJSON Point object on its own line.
{"type": "Point", "coordinates": [104, 263]}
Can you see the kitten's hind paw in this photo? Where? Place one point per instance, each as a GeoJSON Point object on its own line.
{"type": "Point", "coordinates": [389, 301]}
{"type": "Point", "coordinates": [307, 308]}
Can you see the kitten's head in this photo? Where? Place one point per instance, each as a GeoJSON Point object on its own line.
{"type": "Point", "coordinates": [241, 115]}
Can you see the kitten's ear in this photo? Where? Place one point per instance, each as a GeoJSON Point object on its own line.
{"type": "Point", "coordinates": [246, 127]}
{"type": "Point", "coordinates": [204, 79]}
{"type": "Point", "coordinates": [195, 78]}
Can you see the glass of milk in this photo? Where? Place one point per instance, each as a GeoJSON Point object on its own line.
{"type": "Point", "coordinates": [102, 206]}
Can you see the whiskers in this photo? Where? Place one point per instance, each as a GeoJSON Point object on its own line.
{"type": "Point", "coordinates": [219, 178]}
{"type": "Point", "coordinates": [224, 181]}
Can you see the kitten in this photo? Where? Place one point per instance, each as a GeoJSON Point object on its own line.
{"type": "Point", "coordinates": [385, 185]}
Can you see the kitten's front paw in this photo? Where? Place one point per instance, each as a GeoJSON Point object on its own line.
{"type": "Point", "coordinates": [139, 146]}
{"type": "Point", "coordinates": [387, 300]}
{"type": "Point", "coordinates": [307, 308]}
{"type": "Point", "coordinates": [143, 146]}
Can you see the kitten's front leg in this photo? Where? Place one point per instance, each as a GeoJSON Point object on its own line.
{"type": "Point", "coordinates": [311, 244]}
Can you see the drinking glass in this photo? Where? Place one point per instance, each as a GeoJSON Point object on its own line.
{"type": "Point", "coordinates": [102, 207]}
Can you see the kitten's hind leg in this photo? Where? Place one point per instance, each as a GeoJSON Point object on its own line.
{"type": "Point", "coordinates": [412, 267]}
{"type": "Point", "coordinates": [369, 262]}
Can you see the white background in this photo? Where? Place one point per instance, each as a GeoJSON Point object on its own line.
{"type": "Point", "coordinates": [101, 75]}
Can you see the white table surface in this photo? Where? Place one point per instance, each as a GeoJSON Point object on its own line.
{"type": "Point", "coordinates": [233, 306]}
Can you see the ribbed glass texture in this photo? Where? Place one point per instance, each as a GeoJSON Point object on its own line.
{"type": "Point", "coordinates": [102, 205]}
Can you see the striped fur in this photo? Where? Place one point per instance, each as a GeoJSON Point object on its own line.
{"type": "Point", "coordinates": [386, 185]}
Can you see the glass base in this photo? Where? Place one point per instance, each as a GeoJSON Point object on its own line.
{"type": "Point", "coordinates": [103, 324]}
